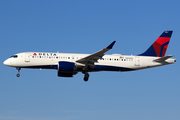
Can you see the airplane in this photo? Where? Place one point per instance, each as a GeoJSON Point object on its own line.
{"type": "Point", "coordinates": [69, 64]}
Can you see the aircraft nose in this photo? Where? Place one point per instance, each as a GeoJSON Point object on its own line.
{"type": "Point", "coordinates": [7, 62]}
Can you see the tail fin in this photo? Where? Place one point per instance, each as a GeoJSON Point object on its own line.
{"type": "Point", "coordinates": [159, 47]}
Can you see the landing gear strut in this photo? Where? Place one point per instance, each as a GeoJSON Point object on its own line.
{"type": "Point", "coordinates": [18, 68]}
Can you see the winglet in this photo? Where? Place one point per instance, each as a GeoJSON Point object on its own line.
{"type": "Point", "coordinates": [111, 45]}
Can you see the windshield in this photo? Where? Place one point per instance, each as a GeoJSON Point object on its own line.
{"type": "Point", "coordinates": [14, 56]}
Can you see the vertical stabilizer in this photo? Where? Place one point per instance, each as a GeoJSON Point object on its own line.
{"type": "Point", "coordinates": [159, 47]}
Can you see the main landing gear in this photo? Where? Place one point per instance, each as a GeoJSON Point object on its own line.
{"type": "Point", "coordinates": [86, 74]}
{"type": "Point", "coordinates": [18, 74]}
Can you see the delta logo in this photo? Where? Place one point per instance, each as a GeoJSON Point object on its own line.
{"type": "Point", "coordinates": [34, 54]}
{"type": "Point", "coordinates": [45, 54]}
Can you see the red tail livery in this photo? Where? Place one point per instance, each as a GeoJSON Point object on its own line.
{"type": "Point", "coordinates": [159, 47]}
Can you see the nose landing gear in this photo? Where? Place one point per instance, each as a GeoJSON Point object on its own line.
{"type": "Point", "coordinates": [18, 74]}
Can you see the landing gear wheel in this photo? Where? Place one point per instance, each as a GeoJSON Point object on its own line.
{"type": "Point", "coordinates": [18, 75]}
{"type": "Point", "coordinates": [86, 77]}
{"type": "Point", "coordinates": [18, 68]}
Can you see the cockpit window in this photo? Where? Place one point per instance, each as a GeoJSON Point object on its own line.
{"type": "Point", "coordinates": [14, 56]}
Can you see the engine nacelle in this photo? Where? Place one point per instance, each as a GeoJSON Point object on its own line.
{"type": "Point", "coordinates": [66, 66]}
{"type": "Point", "coordinates": [66, 69]}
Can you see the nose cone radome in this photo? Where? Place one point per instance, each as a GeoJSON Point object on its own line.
{"type": "Point", "coordinates": [7, 62]}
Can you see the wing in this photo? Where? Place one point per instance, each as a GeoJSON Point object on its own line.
{"type": "Point", "coordinates": [91, 59]}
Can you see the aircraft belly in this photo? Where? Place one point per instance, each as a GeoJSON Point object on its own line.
{"type": "Point", "coordinates": [114, 66]}
{"type": "Point", "coordinates": [111, 68]}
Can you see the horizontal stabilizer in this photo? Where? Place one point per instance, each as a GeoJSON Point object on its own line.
{"type": "Point", "coordinates": [163, 58]}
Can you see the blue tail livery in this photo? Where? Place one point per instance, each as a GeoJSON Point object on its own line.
{"type": "Point", "coordinates": [159, 47]}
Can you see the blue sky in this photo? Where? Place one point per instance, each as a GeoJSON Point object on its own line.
{"type": "Point", "coordinates": [85, 26]}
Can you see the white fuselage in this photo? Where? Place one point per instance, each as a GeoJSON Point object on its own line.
{"type": "Point", "coordinates": [114, 62]}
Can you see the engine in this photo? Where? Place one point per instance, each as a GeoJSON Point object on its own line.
{"type": "Point", "coordinates": [66, 69]}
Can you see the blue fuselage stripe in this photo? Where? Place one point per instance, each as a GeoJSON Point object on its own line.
{"type": "Point", "coordinates": [96, 68]}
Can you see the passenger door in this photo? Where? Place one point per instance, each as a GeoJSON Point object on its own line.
{"type": "Point", "coordinates": [137, 61]}
{"type": "Point", "coordinates": [27, 57]}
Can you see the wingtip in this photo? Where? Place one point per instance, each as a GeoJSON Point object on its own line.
{"type": "Point", "coordinates": [111, 45]}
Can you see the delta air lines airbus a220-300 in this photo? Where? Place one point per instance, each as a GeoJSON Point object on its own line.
{"type": "Point", "coordinates": [68, 64]}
